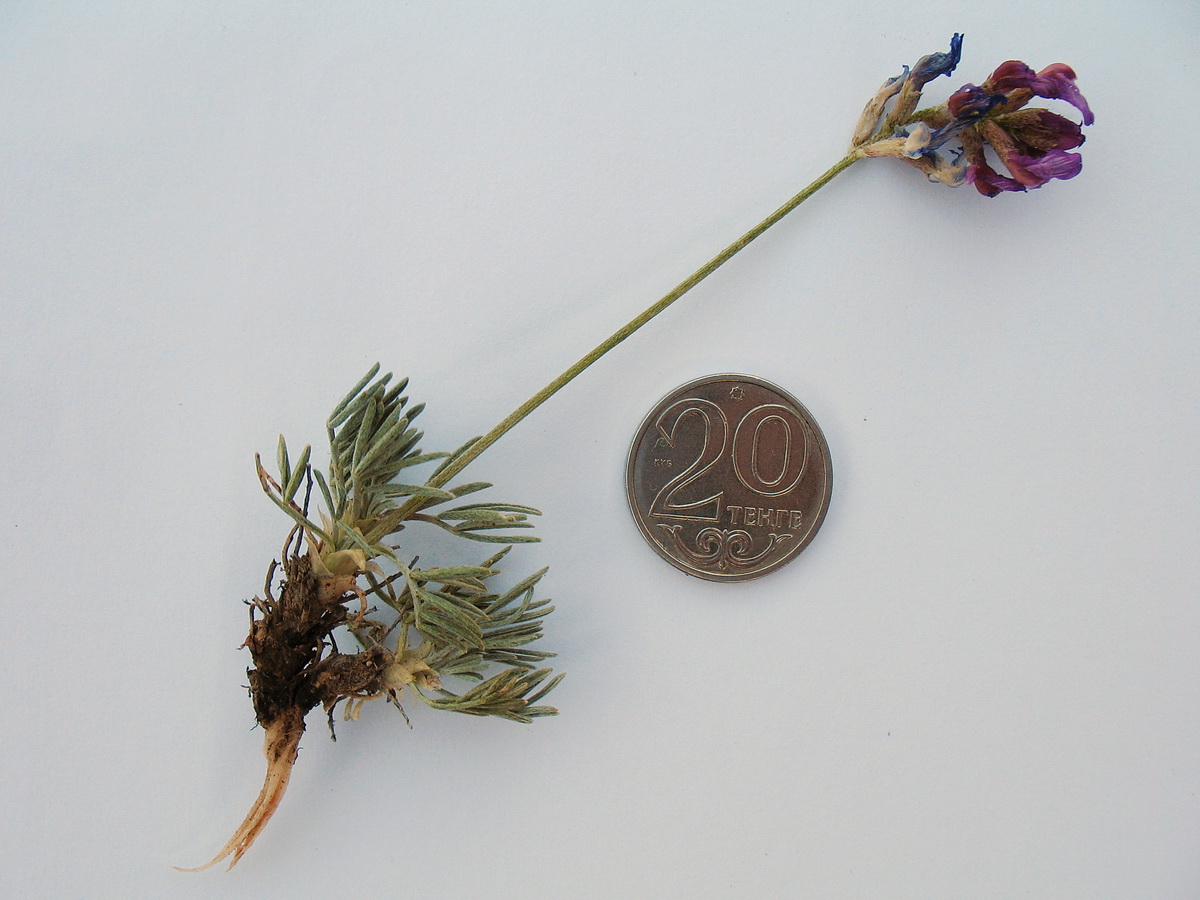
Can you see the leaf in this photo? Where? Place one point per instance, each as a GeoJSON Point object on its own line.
{"type": "Point", "coordinates": [292, 484]}
{"type": "Point", "coordinates": [502, 507]}
{"type": "Point", "coordinates": [547, 689]}
{"type": "Point", "coordinates": [499, 514]}
{"type": "Point", "coordinates": [418, 459]}
{"type": "Point", "coordinates": [414, 490]}
{"type": "Point", "coordinates": [329, 505]}
{"type": "Point", "coordinates": [447, 573]}
{"type": "Point", "coordinates": [281, 459]}
{"type": "Point", "coordinates": [455, 605]}
{"type": "Point", "coordinates": [502, 695]}
{"type": "Point", "coordinates": [363, 435]}
{"type": "Point", "coordinates": [396, 391]}
{"type": "Point", "coordinates": [381, 444]}
{"type": "Point", "coordinates": [524, 586]}
{"type": "Point", "coordinates": [470, 488]}
{"type": "Point", "coordinates": [345, 401]}
{"type": "Point", "coordinates": [289, 508]}
{"type": "Point", "coordinates": [490, 525]}
{"type": "Point", "coordinates": [498, 538]}
{"type": "Point", "coordinates": [522, 659]}
{"type": "Point", "coordinates": [443, 622]}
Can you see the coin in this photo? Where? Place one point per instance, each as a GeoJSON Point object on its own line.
{"type": "Point", "coordinates": [729, 477]}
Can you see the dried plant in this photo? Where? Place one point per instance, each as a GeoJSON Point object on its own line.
{"type": "Point", "coordinates": [340, 570]}
{"type": "Point", "coordinates": [417, 628]}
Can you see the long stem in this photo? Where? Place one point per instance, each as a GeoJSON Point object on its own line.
{"type": "Point", "coordinates": [637, 322]}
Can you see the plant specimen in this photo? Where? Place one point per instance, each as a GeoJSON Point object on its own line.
{"type": "Point", "coordinates": [444, 621]}
{"type": "Point", "coordinates": [342, 574]}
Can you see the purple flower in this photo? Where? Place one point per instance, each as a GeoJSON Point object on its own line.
{"type": "Point", "coordinates": [1033, 144]}
{"type": "Point", "coordinates": [1055, 82]}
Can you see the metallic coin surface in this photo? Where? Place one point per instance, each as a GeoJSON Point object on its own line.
{"type": "Point", "coordinates": [729, 477]}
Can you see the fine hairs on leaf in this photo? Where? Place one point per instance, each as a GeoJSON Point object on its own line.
{"type": "Point", "coordinates": [341, 566]}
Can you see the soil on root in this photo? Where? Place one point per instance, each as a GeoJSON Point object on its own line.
{"type": "Point", "coordinates": [293, 673]}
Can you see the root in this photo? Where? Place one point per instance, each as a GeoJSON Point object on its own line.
{"type": "Point", "coordinates": [292, 674]}
{"type": "Point", "coordinates": [280, 747]}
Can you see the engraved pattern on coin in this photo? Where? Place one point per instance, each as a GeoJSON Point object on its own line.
{"type": "Point", "coordinates": [729, 477]}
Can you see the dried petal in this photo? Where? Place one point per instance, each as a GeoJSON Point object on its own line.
{"type": "Point", "coordinates": [989, 182]}
{"type": "Point", "coordinates": [972, 102]}
{"type": "Point", "coordinates": [869, 120]}
{"type": "Point", "coordinates": [1041, 129]}
{"type": "Point", "coordinates": [917, 142]}
{"type": "Point", "coordinates": [1009, 150]}
{"type": "Point", "coordinates": [935, 64]}
{"type": "Point", "coordinates": [927, 68]}
{"type": "Point", "coordinates": [1055, 82]}
{"type": "Point", "coordinates": [951, 173]}
{"type": "Point", "coordinates": [1053, 164]}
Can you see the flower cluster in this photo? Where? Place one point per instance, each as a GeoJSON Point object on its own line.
{"type": "Point", "coordinates": [948, 143]}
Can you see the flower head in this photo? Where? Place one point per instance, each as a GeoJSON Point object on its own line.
{"type": "Point", "coordinates": [949, 143]}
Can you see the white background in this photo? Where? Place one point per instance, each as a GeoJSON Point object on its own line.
{"type": "Point", "coordinates": [981, 680]}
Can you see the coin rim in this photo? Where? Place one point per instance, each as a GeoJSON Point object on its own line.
{"type": "Point", "coordinates": [705, 575]}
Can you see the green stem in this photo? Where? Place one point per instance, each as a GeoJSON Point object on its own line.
{"type": "Point", "coordinates": [634, 324]}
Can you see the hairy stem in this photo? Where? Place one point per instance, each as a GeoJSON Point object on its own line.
{"type": "Point", "coordinates": [633, 325]}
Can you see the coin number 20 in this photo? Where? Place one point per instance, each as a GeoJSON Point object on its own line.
{"type": "Point", "coordinates": [771, 477]}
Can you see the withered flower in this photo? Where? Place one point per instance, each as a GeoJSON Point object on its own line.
{"type": "Point", "coordinates": [949, 143]}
